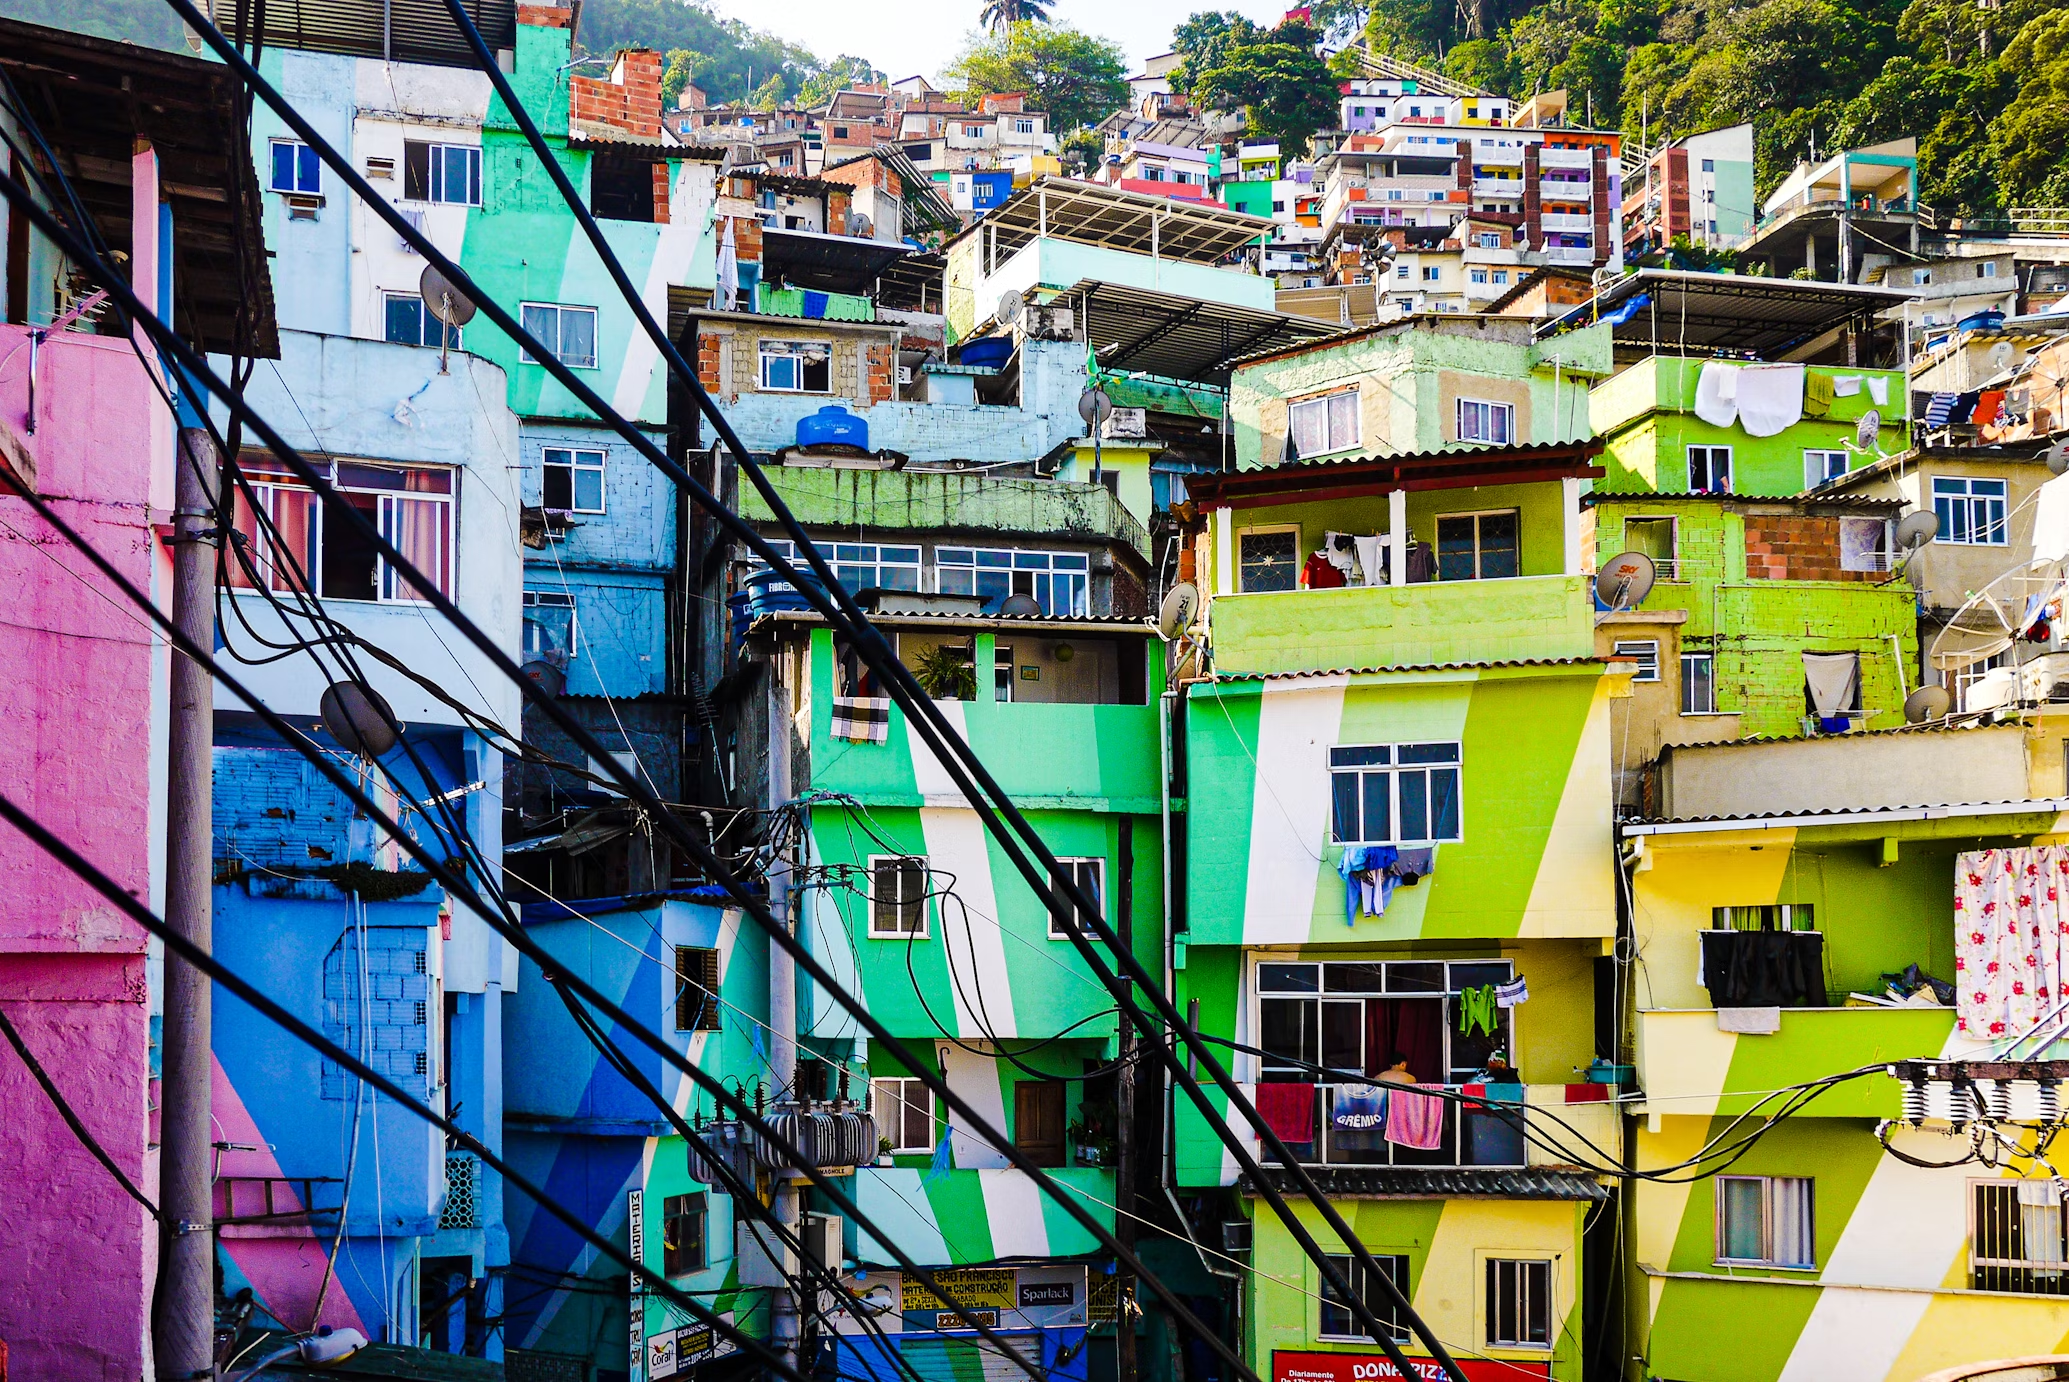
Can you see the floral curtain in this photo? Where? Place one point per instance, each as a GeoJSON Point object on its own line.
{"type": "Point", "coordinates": [2011, 938]}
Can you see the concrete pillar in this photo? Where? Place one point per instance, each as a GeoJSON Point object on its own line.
{"type": "Point", "coordinates": [1397, 537]}
{"type": "Point", "coordinates": [1569, 518]}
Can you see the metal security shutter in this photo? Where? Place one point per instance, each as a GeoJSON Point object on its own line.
{"type": "Point", "coordinates": [968, 1360]}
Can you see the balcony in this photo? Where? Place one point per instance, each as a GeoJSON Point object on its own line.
{"type": "Point", "coordinates": [1565, 158]}
{"type": "Point", "coordinates": [1404, 626]}
{"type": "Point", "coordinates": [1570, 254]}
{"type": "Point", "coordinates": [1567, 223]}
{"type": "Point", "coordinates": [1498, 187]}
{"type": "Point", "coordinates": [1565, 189]}
{"type": "Point", "coordinates": [1686, 1065]}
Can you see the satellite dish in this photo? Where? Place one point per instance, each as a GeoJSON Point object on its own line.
{"type": "Point", "coordinates": [1181, 606]}
{"type": "Point", "coordinates": [1020, 606]}
{"type": "Point", "coordinates": [193, 36]}
{"type": "Point", "coordinates": [1625, 579]}
{"type": "Point", "coordinates": [1914, 530]}
{"type": "Point", "coordinates": [442, 300]}
{"type": "Point", "coordinates": [359, 719]}
{"type": "Point", "coordinates": [860, 226]}
{"type": "Point", "coordinates": [1867, 430]}
{"type": "Point", "coordinates": [1011, 307]}
{"type": "Point", "coordinates": [2000, 355]}
{"type": "Point", "coordinates": [547, 677]}
{"type": "Point", "coordinates": [1926, 703]}
{"type": "Point", "coordinates": [1094, 406]}
{"type": "Point", "coordinates": [2058, 457]}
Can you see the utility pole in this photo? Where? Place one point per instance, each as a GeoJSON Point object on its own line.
{"type": "Point", "coordinates": [784, 1307]}
{"type": "Point", "coordinates": [183, 1336]}
{"type": "Point", "coordinates": [1125, 1159]}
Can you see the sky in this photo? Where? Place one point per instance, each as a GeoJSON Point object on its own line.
{"type": "Point", "coordinates": [903, 37]}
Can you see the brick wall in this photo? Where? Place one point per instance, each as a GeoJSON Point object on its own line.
{"type": "Point", "coordinates": [838, 201]}
{"type": "Point", "coordinates": [882, 367]}
{"type": "Point", "coordinates": [544, 16]}
{"type": "Point", "coordinates": [1796, 548]}
{"type": "Point", "coordinates": [710, 361]}
{"type": "Point", "coordinates": [629, 99]}
{"type": "Point", "coordinates": [661, 193]}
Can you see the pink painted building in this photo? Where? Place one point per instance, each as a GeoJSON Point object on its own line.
{"type": "Point", "coordinates": [83, 720]}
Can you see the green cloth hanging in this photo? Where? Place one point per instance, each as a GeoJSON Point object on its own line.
{"type": "Point", "coordinates": [1476, 1008]}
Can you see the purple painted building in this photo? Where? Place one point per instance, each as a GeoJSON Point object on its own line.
{"type": "Point", "coordinates": [83, 722]}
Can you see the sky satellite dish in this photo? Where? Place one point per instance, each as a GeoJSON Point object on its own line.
{"type": "Point", "coordinates": [1011, 306]}
{"type": "Point", "coordinates": [1867, 430]}
{"type": "Point", "coordinates": [1625, 579]}
{"type": "Point", "coordinates": [547, 677]}
{"type": "Point", "coordinates": [2058, 457]}
{"type": "Point", "coordinates": [359, 719]}
{"type": "Point", "coordinates": [1926, 703]}
{"type": "Point", "coordinates": [1914, 530]}
{"type": "Point", "coordinates": [1181, 606]}
{"type": "Point", "coordinates": [442, 300]}
{"type": "Point", "coordinates": [1095, 407]}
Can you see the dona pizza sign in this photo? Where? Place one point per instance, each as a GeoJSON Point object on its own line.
{"type": "Point", "coordinates": [1289, 1366]}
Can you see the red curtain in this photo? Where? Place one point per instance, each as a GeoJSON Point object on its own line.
{"type": "Point", "coordinates": [1412, 1026]}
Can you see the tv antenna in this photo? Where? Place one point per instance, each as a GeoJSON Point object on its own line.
{"type": "Point", "coordinates": [359, 718]}
{"type": "Point", "coordinates": [1012, 307]}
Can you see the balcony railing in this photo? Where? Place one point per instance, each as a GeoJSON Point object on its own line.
{"type": "Point", "coordinates": [1476, 1133]}
{"type": "Point", "coordinates": [462, 1207]}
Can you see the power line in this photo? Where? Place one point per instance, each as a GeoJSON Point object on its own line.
{"type": "Point", "coordinates": [64, 1109]}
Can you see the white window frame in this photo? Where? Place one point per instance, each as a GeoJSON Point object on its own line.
{"type": "Point", "coordinates": [1817, 465]}
{"type": "Point", "coordinates": [435, 170]}
{"type": "Point", "coordinates": [902, 1089]}
{"type": "Point", "coordinates": [1474, 419]}
{"type": "Point", "coordinates": [1987, 269]}
{"type": "Point", "coordinates": [1921, 277]}
{"type": "Point", "coordinates": [560, 311]}
{"type": "Point", "coordinates": [1333, 418]}
{"type": "Point", "coordinates": [272, 145]}
{"type": "Point", "coordinates": [1260, 531]}
{"type": "Point", "coordinates": [1081, 867]}
{"type": "Point", "coordinates": [1491, 1268]}
{"type": "Point", "coordinates": [390, 587]}
{"type": "Point", "coordinates": [1768, 1186]}
{"type": "Point", "coordinates": [1688, 660]}
{"type": "Point", "coordinates": [1643, 651]}
{"type": "Point", "coordinates": [1073, 578]}
{"type": "Point", "coordinates": [551, 599]}
{"type": "Point", "coordinates": [1709, 454]}
{"type": "Point", "coordinates": [771, 349]}
{"type": "Point", "coordinates": [579, 460]}
{"type": "Point", "coordinates": [1397, 771]}
{"type": "Point", "coordinates": [1995, 528]}
{"type": "Point", "coordinates": [1356, 1274]}
{"type": "Point", "coordinates": [897, 930]}
{"type": "Point", "coordinates": [424, 319]}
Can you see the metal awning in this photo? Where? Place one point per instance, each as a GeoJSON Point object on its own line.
{"type": "Point", "coordinates": [826, 263]}
{"type": "Point", "coordinates": [1149, 332]}
{"type": "Point", "coordinates": [1461, 467]}
{"type": "Point", "coordinates": [94, 98]}
{"type": "Point", "coordinates": [394, 30]}
{"type": "Point", "coordinates": [1699, 312]}
{"type": "Point", "coordinates": [1092, 213]}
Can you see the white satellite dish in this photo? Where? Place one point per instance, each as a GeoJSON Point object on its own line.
{"type": "Point", "coordinates": [1012, 306]}
{"type": "Point", "coordinates": [2001, 355]}
{"type": "Point", "coordinates": [1181, 606]}
{"type": "Point", "coordinates": [2058, 457]}
{"type": "Point", "coordinates": [1868, 430]}
{"type": "Point", "coordinates": [1625, 579]}
{"type": "Point", "coordinates": [1914, 530]}
{"type": "Point", "coordinates": [1926, 703]}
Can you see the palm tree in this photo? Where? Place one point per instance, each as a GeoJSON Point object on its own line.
{"type": "Point", "coordinates": [1000, 14]}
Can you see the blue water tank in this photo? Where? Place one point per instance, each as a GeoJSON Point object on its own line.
{"type": "Point", "coordinates": [987, 352]}
{"type": "Point", "coordinates": [833, 425]}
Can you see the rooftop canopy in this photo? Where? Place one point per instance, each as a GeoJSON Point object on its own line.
{"type": "Point", "coordinates": [1304, 482]}
{"type": "Point", "coordinates": [1145, 331]}
{"type": "Point", "coordinates": [1091, 213]}
{"type": "Point", "coordinates": [393, 30]}
{"type": "Point", "coordinates": [94, 99]}
{"type": "Point", "coordinates": [1695, 313]}
{"type": "Point", "coordinates": [826, 263]}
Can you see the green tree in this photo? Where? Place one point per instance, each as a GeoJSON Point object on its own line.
{"type": "Point", "coordinates": [1081, 150]}
{"type": "Point", "coordinates": [1203, 41]}
{"type": "Point", "coordinates": [1482, 63]}
{"type": "Point", "coordinates": [1279, 82]}
{"type": "Point", "coordinates": [1073, 76]}
{"type": "Point", "coordinates": [835, 77]}
{"type": "Point", "coordinates": [1001, 14]}
{"type": "Point", "coordinates": [680, 71]}
{"type": "Point", "coordinates": [2029, 142]}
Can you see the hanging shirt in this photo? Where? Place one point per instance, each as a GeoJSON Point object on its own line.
{"type": "Point", "coordinates": [1372, 558]}
{"type": "Point", "coordinates": [1320, 574]}
{"type": "Point", "coordinates": [1716, 393]}
{"type": "Point", "coordinates": [1818, 392]}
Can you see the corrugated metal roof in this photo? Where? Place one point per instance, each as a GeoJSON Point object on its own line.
{"type": "Point", "coordinates": [1428, 1182]}
{"type": "Point", "coordinates": [420, 31]}
{"type": "Point", "coordinates": [1414, 667]}
{"type": "Point", "coordinates": [1449, 468]}
{"type": "Point", "coordinates": [1835, 815]}
{"type": "Point", "coordinates": [1646, 496]}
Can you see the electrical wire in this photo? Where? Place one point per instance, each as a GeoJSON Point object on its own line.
{"type": "Point", "coordinates": [72, 1120]}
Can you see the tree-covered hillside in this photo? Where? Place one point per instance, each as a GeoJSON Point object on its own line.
{"type": "Point", "coordinates": [1984, 86]}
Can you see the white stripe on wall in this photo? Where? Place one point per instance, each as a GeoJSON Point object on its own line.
{"type": "Point", "coordinates": [1014, 1206]}
{"type": "Point", "coordinates": [1289, 809]}
{"type": "Point", "coordinates": [959, 851]}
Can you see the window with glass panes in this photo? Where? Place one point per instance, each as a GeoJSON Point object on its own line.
{"type": "Point", "coordinates": [1090, 877]}
{"type": "Point", "coordinates": [1971, 511]}
{"type": "Point", "coordinates": [1382, 794]}
{"type": "Point", "coordinates": [1709, 469]}
{"type": "Point", "coordinates": [1060, 582]}
{"type": "Point", "coordinates": [1643, 651]}
{"type": "Point", "coordinates": [1698, 684]}
{"type": "Point", "coordinates": [567, 333]}
{"type": "Point", "coordinates": [1338, 1022]}
{"type": "Point", "coordinates": [571, 479]}
{"type": "Point", "coordinates": [682, 1234]}
{"type": "Point", "coordinates": [904, 1112]}
{"type": "Point", "coordinates": [295, 167]}
{"type": "Point", "coordinates": [411, 506]}
{"type": "Point", "coordinates": [549, 627]}
{"type": "Point", "coordinates": [1268, 559]}
{"type": "Point", "coordinates": [1765, 1220]}
{"type": "Point", "coordinates": [873, 566]}
{"type": "Point", "coordinates": [1322, 425]}
{"type": "Point", "coordinates": [443, 173]}
{"type": "Point", "coordinates": [897, 896]}
{"type": "Point", "coordinates": [407, 323]}
{"type": "Point", "coordinates": [1485, 422]}
{"type": "Point", "coordinates": [2018, 1238]}
{"type": "Point", "coordinates": [1336, 1319]}
{"type": "Point", "coordinates": [1476, 546]}
{"type": "Point", "coordinates": [1519, 1302]}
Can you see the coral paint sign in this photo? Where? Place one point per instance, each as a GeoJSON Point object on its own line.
{"type": "Point", "coordinates": [1374, 1367]}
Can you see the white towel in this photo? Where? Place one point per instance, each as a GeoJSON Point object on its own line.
{"type": "Point", "coordinates": [1372, 556]}
{"type": "Point", "coordinates": [1750, 1021]}
{"type": "Point", "coordinates": [1831, 677]}
{"type": "Point", "coordinates": [1770, 398]}
{"type": "Point", "coordinates": [1716, 393]}
{"type": "Point", "coordinates": [1845, 385]}
{"type": "Point", "coordinates": [1878, 389]}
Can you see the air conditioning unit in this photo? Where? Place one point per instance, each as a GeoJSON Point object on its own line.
{"type": "Point", "coordinates": [905, 374]}
{"type": "Point", "coordinates": [1235, 1236]}
{"type": "Point", "coordinates": [1126, 423]}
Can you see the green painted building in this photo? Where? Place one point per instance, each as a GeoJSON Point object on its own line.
{"type": "Point", "coordinates": [1460, 725]}
{"type": "Point", "coordinates": [1420, 383]}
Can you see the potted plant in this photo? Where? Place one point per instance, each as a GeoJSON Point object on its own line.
{"type": "Point", "coordinates": [1095, 1132]}
{"type": "Point", "coordinates": [883, 1151]}
{"type": "Point", "coordinates": [947, 673]}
